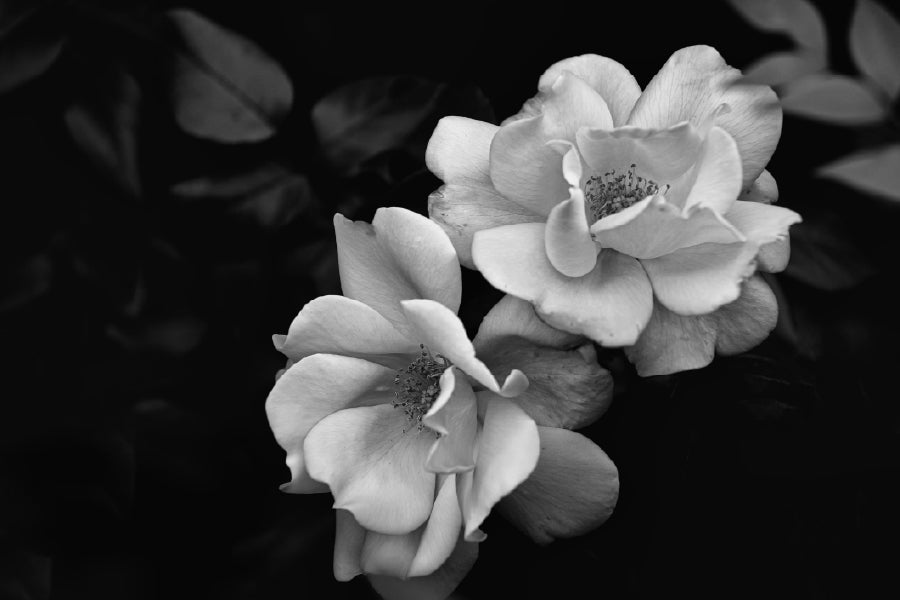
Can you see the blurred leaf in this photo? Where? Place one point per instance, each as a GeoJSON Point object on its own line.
{"type": "Point", "coordinates": [832, 98]}
{"type": "Point", "coordinates": [271, 196]}
{"type": "Point", "coordinates": [26, 50]}
{"type": "Point", "coordinates": [15, 12]}
{"type": "Point", "coordinates": [24, 575]}
{"type": "Point", "coordinates": [875, 45]}
{"type": "Point", "coordinates": [225, 87]}
{"type": "Point", "coordinates": [175, 336]}
{"type": "Point", "coordinates": [364, 118]}
{"type": "Point", "coordinates": [797, 18]}
{"type": "Point", "coordinates": [876, 172]}
{"type": "Point", "coordinates": [26, 282]}
{"type": "Point", "coordinates": [781, 67]}
{"type": "Point", "coordinates": [105, 128]}
{"type": "Point", "coordinates": [823, 258]}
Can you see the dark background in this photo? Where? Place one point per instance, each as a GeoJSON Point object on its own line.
{"type": "Point", "coordinates": [135, 456]}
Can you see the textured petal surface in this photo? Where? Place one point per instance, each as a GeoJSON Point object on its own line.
{"type": "Point", "coordinates": [673, 343]}
{"type": "Point", "coordinates": [516, 317]}
{"type": "Point", "coordinates": [609, 78]}
{"type": "Point", "coordinates": [700, 279]}
{"type": "Point", "coordinates": [660, 228]}
{"type": "Point", "coordinates": [718, 180]}
{"type": "Point", "coordinates": [374, 463]}
{"type": "Point", "coordinates": [567, 388]}
{"type": "Point", "coordinates": [454, 415]}
{"type": "Point", "coordinates": [508, 449]}
{"type": "Point", "coordinates": [611, 304]}
{"type": "Point", "coordinates": [570, 248]}
{"type": "Point", "coordinates": [462, 210]}
{"type": "Point", "coordinates": [766, 226]}
{"type": "Point", "coordinates": [442, 332]}
{"type": "Point", "coordinates": [693, 84]}
{"type": "Point", "coordinates": [401, 255]}
{"type": "Point", "coordinates": [312, 389]}
{"type": "Point", "coordinates": [441, 532]}
{"type": "Point", "coordinates": [340, 325]}
{"type": "Point", "coordinates": [459, 151]}
{"type": "Point", "coordinates": [573, 489]}
{"type": "Point", "coordinates": [349, 537]}
{"type": "Point", "coordinates": [660, 154]}
{"type": "Point", "coordinates": [524, 168]}
{"type": "Point", "coordinates": [437, 586]}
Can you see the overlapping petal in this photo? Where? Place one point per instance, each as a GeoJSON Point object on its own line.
{"type": "Point", "coordinates": [454, 415]}
{"type": "Point", "coordinates": [312, 389]}
{"type": "Point", "coordinates": [701, 278]}
{"type": "Point", "coordinates": [443, 332]}
{"type": "Point", "coordinates": [508, 449]}
{"type": "Point", "coordinates": [463, 210]}
{"type": "Point", "coordinates": [459, 151]}
{"type": "Point", "coordinates": [611, 304]}
{"type": "Point", "coordinates": [373, 463]}
{"type": "Point", "coordinates": [524, 168]}
{"type": "Point", "coordinates": [693, 84]}
{"type": "Point", "coordinates": [573, 488]}
{"type": "Point", "coordinates": [401, 255]}
{"type": "Point", "coordinates": [673, 343]}
{"type": "Point", "coordinates": [615, 84]}
{"type": "Point", "coordinates": [340, 325]}
{"type": "Point", "coordinates": [515, 317]}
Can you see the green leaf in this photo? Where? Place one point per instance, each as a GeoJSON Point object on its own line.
{"type": "Point", "coordinates": [798, 19]}
{"type": "Point", "coordinates": [225, 88]}
{"type": "Point", "coordinates": [873, 171]}
{"type": "Point", "coordinates": [875, 45]}
{"type": "Point", "coordinates": [104, 125]}
{"type": "Point", "coordinates": [832, 98]}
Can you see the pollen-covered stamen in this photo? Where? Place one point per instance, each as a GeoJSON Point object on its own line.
{"type": "Point", "coordinates": [418, 385]}
{"type": "Point", "coordinates": [612, 192]}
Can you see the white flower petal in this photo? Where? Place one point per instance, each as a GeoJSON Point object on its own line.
{"type": "Point", "coordinates": [516, 317]}
{"type": "Point", "coordinates": [312, 389]}
{"type": "Point", "coordinates": [454, 415]}
{"type": "Point", "coordinates": [349, 537]}
{"type": "Point", "coordinates": [767, 227]}
{"type": "Point", "coordinates": [610, 79]}
{"type": "Point", "coordinates": [462, 210]}
{"type": "Point", "coordinates": [570, 248]}
{"type": "Point", "coordinates": [693, 84]}
{"type": "Point", "coordinates": [437, 586]}
{"type": "Point", "coordinates": [401, 255]}
{"type": "Point", "coordinates": [700, 279]}
{"type": "Point", "coordinates": [611, 304]}
{"type": "Point", "coordinates": [340, 325]}
{"type": "Point", "coordinates": [508, 449]}
{"type": "Point", "coordinates": [717, 179]}
{"type": "Point", "coordinates": [459, 151]}
{"type": "Point", "coordinates": [443, 333]}
{"type": "Point", "coordinates": [573, 489]}
{"type": "Point", "coordinates": [374, 463]}
{"type": "Point", "coordinates": [442, 532]}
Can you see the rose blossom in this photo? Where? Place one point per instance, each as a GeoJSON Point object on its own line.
{"type": "Point", "coordinates": [385, 404]}
{"type": "Point", "coordinates": [616, 212]}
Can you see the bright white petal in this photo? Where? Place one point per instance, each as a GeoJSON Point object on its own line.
{"type": "Point", "coordinates": [611, 304]}
{"type": "Point", "coordinates": [442, 532]}
{"type": "Point", "coordinates": [462, 210]}
{"type": "Point", "coordinates": [508, 449]}
{"type": "Point", "coordinates": [610, 79]}
{"type": "Point", "coordinates": [454, 416]}
{"type": "Point", "coordinates": [459, 151]}
{"type": "Point", "coordinates": [573, 489]}
{"type": "Point", "coordinates": [437, 586]}
{"type": "Point", "coordinates": [767, 227]}
{"type": "Point", "coordinates": [349, 537]}
{"type": "Point", "coordinates": [717, 181]}
{"type": "Point", "coordinates": [700, 279]}
{"type": "Point", "coordinates": [374, 462]}
{"type": "Point", "coordinates": [443, 333]}
{"type": "Point", "coordinates": [570, 248]}
{"type": "Point", "coordinates": [401, 255]}
{"type": "Point", "coordinates": [693, 84]}
{"type": "Point", "coordinates": [312, 389]}
{"type": "Point", "coordinates": [340, 325]}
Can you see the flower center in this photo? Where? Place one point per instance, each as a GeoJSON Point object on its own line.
{"type": "Point", "coordinates": [418, 385]}
{"type": "Point", "coordinates": [613, 192]}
